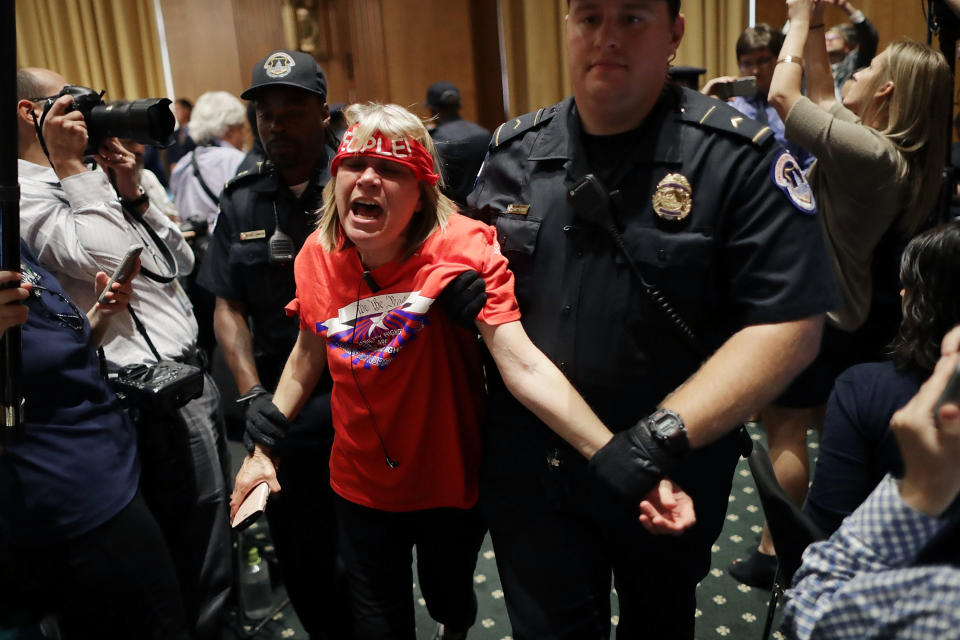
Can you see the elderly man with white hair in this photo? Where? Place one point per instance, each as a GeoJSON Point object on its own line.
{"type": "Point", "coordinates": [216, 125]}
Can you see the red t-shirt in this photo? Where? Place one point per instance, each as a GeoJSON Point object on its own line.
{"type": "Point", "coordinates": [409, 373]}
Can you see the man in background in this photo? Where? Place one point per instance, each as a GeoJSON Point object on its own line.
{"type": "Point", "coordinates": [757, 51]}
{"type": "Point", "coordinates": [850, 46]}
{"type": "Point", "coordinates": [461, 144]}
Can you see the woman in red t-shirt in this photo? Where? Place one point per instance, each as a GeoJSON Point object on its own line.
{"type": "Point", "coordinates": [407, 382]}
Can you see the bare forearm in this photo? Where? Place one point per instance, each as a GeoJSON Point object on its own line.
{"type": "Point", "coordinates": [236, 342]}
{"type": "Point", "coordinates": [820, 87]}
{"type": "Point", "coordinates": [537, 383]}
{"type": "Point", "coordinates": [745, 374]}
{"type": "Point", "coordinates": [301, 373]}
{"type": "Point", "coordinates": [787, 80]}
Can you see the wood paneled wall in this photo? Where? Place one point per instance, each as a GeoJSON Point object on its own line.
{"type": "Point", "coordinates": [384, 50]}
{"type": "Point", "coordinates": [391, 50]}
{"type": "Point", "coordinates": [214, 44]}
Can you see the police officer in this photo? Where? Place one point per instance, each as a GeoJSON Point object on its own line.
{"type": "Point", "coordinates": [265, 216]}
{"type": "Point", "coordinates": [679, 290]}
{"type": "Point", "coordinates": [461, 144]}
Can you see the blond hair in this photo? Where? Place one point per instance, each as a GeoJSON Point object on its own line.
{"type": "Point", "coordinates": [392, 121]}
{"type": "Point", "coordinates": [917, 113]}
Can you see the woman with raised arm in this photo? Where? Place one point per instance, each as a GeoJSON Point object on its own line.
{"type": "Point", "coordinates": [879, 158]}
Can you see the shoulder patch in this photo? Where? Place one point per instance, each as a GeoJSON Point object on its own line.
{"type": "Point", "coordinates": [513, 128]}
{"type": "Point", "coordinates": [712, 114]}
{"type": "Point", "coordinates": [246, 176]}
{"type": "Point", "coordinates": [787, 174]}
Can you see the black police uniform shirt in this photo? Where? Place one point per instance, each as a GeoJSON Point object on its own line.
{"type": "Point", "coordinates": [237, 265]}
{"type": "Point", "coordinates": [717, 217]}
{"type": "Point", "coordinates": [462, 146]}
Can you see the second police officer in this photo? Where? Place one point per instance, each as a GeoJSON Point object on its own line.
{"type": "Point", "coordinates": [265, 216]}
{"type": "Point", "coordinates": [679, 291]}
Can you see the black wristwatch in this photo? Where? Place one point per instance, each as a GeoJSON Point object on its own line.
{"type": "Point", "coordinates": [137, 202]}
{"type": "Point", "coordinates": [667, 428]}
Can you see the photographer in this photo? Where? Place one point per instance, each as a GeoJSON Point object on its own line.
{"type": "Point", "coordinates": [74, 223]}
{"type": "Point", "coordinates": [76, 537]}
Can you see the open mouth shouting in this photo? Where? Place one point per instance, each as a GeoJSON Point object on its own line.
{"type": "Point", "coordinates": [366, 208]}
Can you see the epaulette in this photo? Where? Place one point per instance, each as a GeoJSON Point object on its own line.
{"type": "Point", "coordinates": [711, 114]}
{"type": "Point", "coordinates": [248, 175]}
{"type": "Point", "coordinates": [513, 128]}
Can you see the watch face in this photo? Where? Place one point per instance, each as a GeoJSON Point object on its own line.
{"type": "Point", "coordinates": [669, 428]}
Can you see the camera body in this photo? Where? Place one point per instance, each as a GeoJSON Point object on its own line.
{"type": "Point", "coordinates": [165, 386]}
{"type": "Point", "coordinates": [148, 121]}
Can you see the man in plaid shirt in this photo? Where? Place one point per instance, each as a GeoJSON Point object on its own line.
{"type": "Point", "coordinates": [873, 578]}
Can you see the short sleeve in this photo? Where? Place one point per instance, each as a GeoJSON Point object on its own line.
{"type": "Point", "coordinates": [841, 143]}
{"type": "Point", "coordinates": [776, 260]}
{"type": "Point", "coordinates": [501, 306]}
{"type": "Point", "coordinates": [310, 273]}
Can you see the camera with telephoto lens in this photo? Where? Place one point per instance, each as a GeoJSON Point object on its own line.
{"type": "Point", "coordinates": [148, 121]}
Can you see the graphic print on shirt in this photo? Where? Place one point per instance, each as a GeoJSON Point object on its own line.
{"type": "Point", "coordinates": [373, 330]}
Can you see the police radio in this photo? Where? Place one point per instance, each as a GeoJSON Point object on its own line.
{"type": "Point", "coordinates": [592, 203]}
{"type": "Point", "coordinates": [280, 246]}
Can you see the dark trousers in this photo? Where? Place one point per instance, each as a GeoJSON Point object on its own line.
{"type": "Point", "coordinates": [116, 581]}
{"type": "Point", "coordinates": [558, 537]}
{"type": "Point", "coordinates": [184, 481]}
{"type": "Point", "coordinates": [303, 526]}
{"type": "Point", "coordinates": [377, 550]}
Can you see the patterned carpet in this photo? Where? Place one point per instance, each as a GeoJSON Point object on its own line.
{"type": "Point", "coordinates": [726, 608]}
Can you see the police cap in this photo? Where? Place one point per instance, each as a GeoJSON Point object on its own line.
{"type": "Point", "coordinates": [287, 69]}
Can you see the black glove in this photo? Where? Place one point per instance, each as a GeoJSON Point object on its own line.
{"type": "Point", "coordinates": [264, 424]}
{"type": "Point", "coordinates": [633, 462]}
{"type": "Point", "coordinates": [463, 298]}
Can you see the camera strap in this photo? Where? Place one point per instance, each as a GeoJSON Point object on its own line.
{"type": "Point", "coordinates": [161, 246]}
{"type": "Point", "coordinates": [203, 183]}
{"type": "Point", "coordinates": [38, 125]}
{"type": "Point", "coordinates": [143, 331]}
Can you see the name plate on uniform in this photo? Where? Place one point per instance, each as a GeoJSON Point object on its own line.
{"type": "Point", "coordinates": [259, 234]}
{"type": "Point", "coordinates": [518, 209]}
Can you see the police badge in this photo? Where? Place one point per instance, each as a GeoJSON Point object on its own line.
{"type": "Point", "coordinates": [673, 198]}
{"type": "Point", "coordinates": [279, 65]}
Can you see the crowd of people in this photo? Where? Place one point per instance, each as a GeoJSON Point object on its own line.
{"type": "Point", "coordinates": [551, 332]}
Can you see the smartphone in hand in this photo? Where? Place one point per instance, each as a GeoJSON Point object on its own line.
{"type": "Point", "coordinates": [251, 507]}
{"type": "Point", "coordinates": [123, 270]}
{"type": "Point", "coordinates": [744, 87]}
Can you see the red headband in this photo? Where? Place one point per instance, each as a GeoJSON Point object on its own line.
{"type": "Point", "coordinates": [406, 151]}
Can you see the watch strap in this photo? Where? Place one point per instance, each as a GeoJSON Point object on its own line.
{"type": "Point", "coordinates": [135, 203]}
